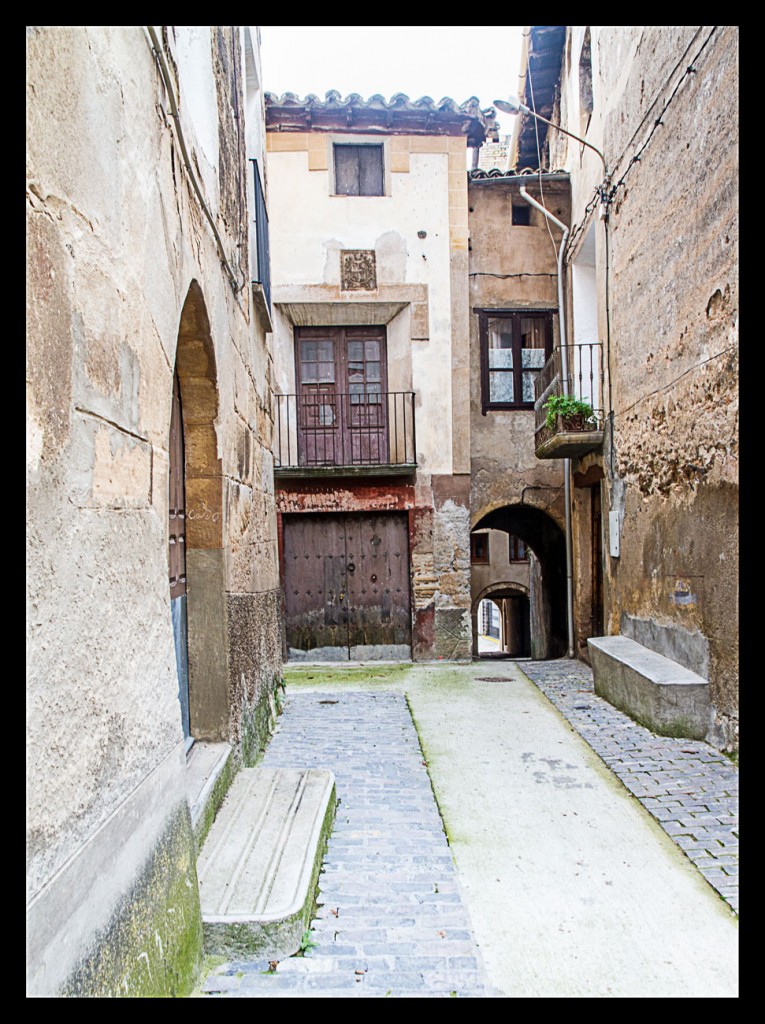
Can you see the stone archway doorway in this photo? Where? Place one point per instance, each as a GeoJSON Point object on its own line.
{"type": "Point", "coordinates": [509, 631]}
{"type": "Point", "coordinates": [195, 536]}
{"type": "Point", "coordinates": [545, 542]}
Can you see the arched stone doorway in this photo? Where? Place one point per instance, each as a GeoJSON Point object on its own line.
{"type": "Point", "coordinates": [514, 621]}
{"type": "Point", "coordinates": [546, 544]}
{"type": "Point", "coordinates": [198, 493]}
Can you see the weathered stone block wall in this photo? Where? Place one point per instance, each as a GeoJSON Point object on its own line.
{"type": "Point", "coordinates": [673, 250]}
{"type": "Point", "coordinates": [116, 243]}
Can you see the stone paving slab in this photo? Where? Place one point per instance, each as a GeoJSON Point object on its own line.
{"type": "Point", "coordinates": [690, 788]}
{"type": "Point", "coordinates": [389, 921]}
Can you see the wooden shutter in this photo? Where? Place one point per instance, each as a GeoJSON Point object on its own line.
{"type": "Point", "coordinates": [359, 170]}
{"type": "Point", "coordinates": [346, 171]}
{"type": "Point", "coordinates": [370, 171]}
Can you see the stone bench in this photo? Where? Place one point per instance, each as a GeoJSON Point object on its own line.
{"type": "Point", "coordinates": [259, 865]}
{"type": "Point", "coordinates": [660, 694]}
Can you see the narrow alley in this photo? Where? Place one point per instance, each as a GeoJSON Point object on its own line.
{"type": "Point", "coordinates": [382, 511]}
{"type": "Point", "coordinates": [585, 855]}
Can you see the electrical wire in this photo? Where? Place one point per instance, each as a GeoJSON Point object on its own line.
{"type": "Point", "coordinates": [635, 158]}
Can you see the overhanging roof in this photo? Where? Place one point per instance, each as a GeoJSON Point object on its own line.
{"type": "Point", "coordinates": [538, 88]}
{"type": "Point", "coordinates": [397, 116]}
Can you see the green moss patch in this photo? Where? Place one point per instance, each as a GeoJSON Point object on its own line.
{"type": "Point", "coordinates": [153, 946]}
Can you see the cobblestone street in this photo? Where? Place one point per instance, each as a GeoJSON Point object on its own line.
{"type": "Point", "coordinates": [404, 912]}
{"type": "Point", "coordinates": [689, 787]}
{"type": "Point", "coordinates": [390, 919]}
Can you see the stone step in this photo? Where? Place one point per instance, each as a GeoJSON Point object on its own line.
{"type": "Point", "coordinates": [259, 865]}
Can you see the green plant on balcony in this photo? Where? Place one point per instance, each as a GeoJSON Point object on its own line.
{"type": "Point", "coordinates": [574, 413]}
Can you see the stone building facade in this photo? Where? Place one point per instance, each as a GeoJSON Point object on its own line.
{"type": "Point", "coordinates": [514, 302]}
{"type": "Point", "coordinates": [372, 369]}
{"type": "Point", "coordinates": [651, 275]}
{"type": "Point", "coordinates": [147, 357]}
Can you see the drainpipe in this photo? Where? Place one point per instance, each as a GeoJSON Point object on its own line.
{"type": "Point", "coordinates": [566, 462]}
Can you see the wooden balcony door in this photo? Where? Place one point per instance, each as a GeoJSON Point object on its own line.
{"type": "Point", "coordinates": [341, 374]}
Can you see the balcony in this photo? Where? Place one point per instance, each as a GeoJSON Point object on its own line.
{"type": "Point", "coordinates": [583, 381]}
{"type": "Point", "coordinates": [328, 433]}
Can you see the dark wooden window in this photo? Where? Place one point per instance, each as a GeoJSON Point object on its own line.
{"type": "Point", "coordinates": [518, 552]}
{"type": "Point", "coordinates": [521, 215]}
{"type": "Point", "coordinates": [479, 548]}
{"type": "Point", "coordinates": [359, 170]}
{"type": "Point", "coordinates": [515, 345]}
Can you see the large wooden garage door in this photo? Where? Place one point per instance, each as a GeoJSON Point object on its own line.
{"type": "Point", "coordinates": [346, 582]}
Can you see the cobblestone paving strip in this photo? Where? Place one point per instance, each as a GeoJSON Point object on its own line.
{"type": "Point", "coordinates": [690, 788]}
{"type": "Point", "coordinates": [390, 920]}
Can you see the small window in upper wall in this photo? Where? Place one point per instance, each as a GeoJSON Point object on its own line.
{"type": "Point", "coordinates": [521, 215]}
{"type": "Point", "coordinates": [359, 170]}
{"type": "Point", "coordinates": [518, 552]}
{"type": "Point", "coordinates": [479, 548]}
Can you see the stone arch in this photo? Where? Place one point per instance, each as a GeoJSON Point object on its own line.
{"type": "Point", "coordinates": [496, 587]}
{"type": "Point", "coordinates": [548, 500]}
{"type": "Point", "coordinates": [512, 599]}
{"type": "Point", "coordinates": [545, 538]}
{"type": "Point", "coordinates": [196, 368]}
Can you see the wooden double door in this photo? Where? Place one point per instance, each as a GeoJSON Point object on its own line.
{"type": "Point", "coordinates": [342, 396]}
{"type": "Point", "coordinates": [347, 586]}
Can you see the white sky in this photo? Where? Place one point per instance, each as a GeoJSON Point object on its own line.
{"type": "Point", "coordinates": [435, 61]}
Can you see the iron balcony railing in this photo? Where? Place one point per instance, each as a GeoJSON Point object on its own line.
{"type": "Point", "coordinates": [261, 271]}
{"type": "Point", "coordinates": [584, 379]}
{"type": "Point", "coordinates": [353, 430]}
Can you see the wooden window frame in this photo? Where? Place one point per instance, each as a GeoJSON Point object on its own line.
{"type": "Point", "coordinates": [358, 146]}
{"type": "Point", "coordinates": [475, 558]}
{"type": "Point", "coordinates": [514, 316]}
{"type": "Point", "coordinates": [513, 549]}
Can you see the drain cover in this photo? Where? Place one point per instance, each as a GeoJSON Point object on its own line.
{"type": "Point", "coordinates": [494, 679]}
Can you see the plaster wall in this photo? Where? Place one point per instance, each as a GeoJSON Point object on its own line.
{"type": "Point", "coordinates": [311, 226]}
{"type": "Point", "coordinates": [115, 242]}
{"type": "Point", "coordinates": [673, 289]}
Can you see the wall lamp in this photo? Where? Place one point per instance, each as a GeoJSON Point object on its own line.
{"type": "Point", "coordinates": [514, 106]}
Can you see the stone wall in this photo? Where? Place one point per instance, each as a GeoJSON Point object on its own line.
{"type": "Point", "coordinates": [124, 272]}
{"type": "Point", "coordinates": [672, 469]}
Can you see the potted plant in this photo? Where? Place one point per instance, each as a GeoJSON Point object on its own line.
{"type": "Point", "coordinates": [575, 414]}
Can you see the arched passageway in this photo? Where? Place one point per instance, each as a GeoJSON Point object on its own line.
{"type": "Point", "coordinates": [195, 535]}
{"type": "Point", "coordinates": [545, 583]}
{"type": "Point", "coordinates": [501, 622]}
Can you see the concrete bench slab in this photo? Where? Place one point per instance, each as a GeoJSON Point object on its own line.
{"type": "Point", "coordinates": [665, 697]}
{"type": "Point", "coordinates": [259, 865]}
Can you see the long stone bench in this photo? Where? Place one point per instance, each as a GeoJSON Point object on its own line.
{"type": "Point", "coordinates": [259, 865]}
{"type": "Point", "coordinates": [665, 697]}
